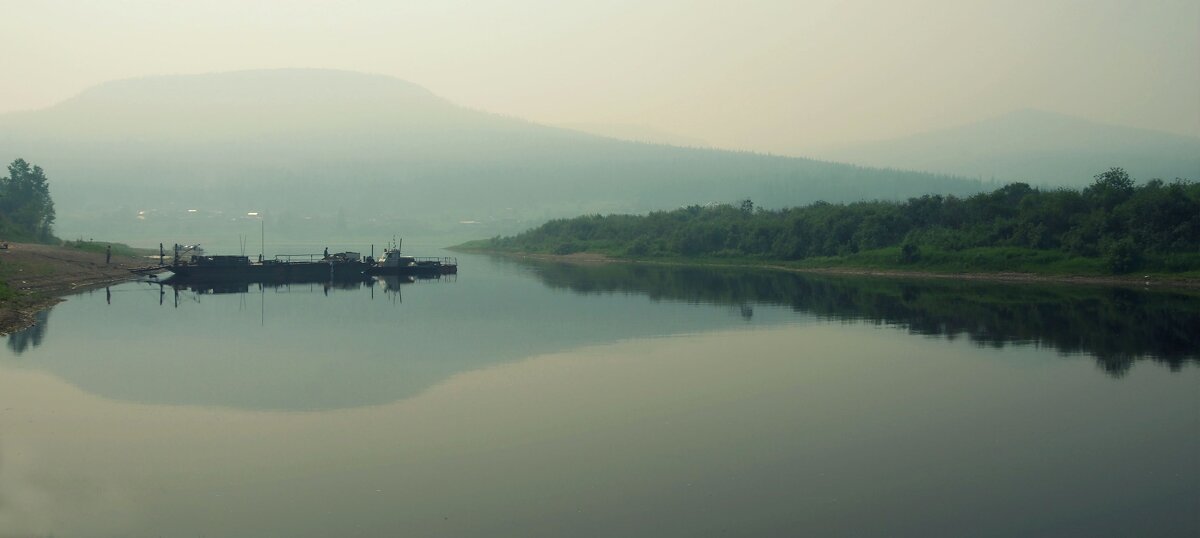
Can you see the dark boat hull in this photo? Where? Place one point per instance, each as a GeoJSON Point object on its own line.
{"type": "Point", "coordinates": [271, 272]}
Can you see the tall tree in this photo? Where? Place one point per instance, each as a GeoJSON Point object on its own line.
{"type": "Point", "coordinates": [25, 201]}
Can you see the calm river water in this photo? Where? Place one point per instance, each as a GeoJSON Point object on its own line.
{"type": "Point", "coordinates": [538, 399]}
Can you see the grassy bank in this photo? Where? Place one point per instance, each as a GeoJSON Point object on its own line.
{"type": "Point", "coordinates": [33, 276]}
{"type": "Point", "coordinates": [7, 294]}
{"type": "Point", "coordinates": [17, 307]}
{"type": "Point", "coordinates": [118, 249]}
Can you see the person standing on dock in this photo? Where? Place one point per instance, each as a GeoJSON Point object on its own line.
{"type": "Point", "coordinates": [107, 254]}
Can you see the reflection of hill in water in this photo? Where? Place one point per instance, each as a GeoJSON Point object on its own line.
{"type": "Point", "coordinates": [1117, 326]}
{"type": "Point", "coordinates": [312, 347]}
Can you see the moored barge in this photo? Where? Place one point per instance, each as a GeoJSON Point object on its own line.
{"type": "Point", "coordinates": [284, 268]}
{"type": "Point", "coordinates": [340, 266]}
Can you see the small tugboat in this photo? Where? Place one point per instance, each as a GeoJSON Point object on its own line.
{"type": "Point", "coordinates": [394, 263]}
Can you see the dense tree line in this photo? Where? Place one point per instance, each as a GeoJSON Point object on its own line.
{"type": "Point", "coordinates": [1113, 219]}
{"type": "Point", "coordinates": [26, 210]}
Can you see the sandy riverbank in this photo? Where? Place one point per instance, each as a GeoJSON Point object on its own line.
{"type": "Point", "coordinates": [41, 274]}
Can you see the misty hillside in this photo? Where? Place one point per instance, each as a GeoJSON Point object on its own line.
{"type": "Point", "coordinates": [333, 153]}
{"type": "Point", "coordinates": [1036, 147]}
{"type": "Point", "coordinates": [636, 133]}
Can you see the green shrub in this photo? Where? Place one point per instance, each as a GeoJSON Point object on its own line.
{"type": "Point", "coordinates": [567, 248]}
{"type": "Point", "coordinates": [1123, 256]}
{"type": "Point", "coordinates": [909, 253]}
{"type": "Point", "coordinates": [6, 293]}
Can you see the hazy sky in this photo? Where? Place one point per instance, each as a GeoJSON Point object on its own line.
{"type": "Point", "coordinates": [775, 76]}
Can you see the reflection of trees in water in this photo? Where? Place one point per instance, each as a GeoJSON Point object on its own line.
{"type": "Point", "coordinates": [32, 336]}
{"type": "Point", "coordinates": [1117, 326]}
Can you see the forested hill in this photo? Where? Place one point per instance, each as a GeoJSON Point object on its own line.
{"type": "Point", "coordinates": [1113, 225]}
{"type": "Point", "coordinates": [337, 154]}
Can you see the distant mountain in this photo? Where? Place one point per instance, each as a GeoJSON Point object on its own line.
{"type": "Point", "coordinates": [636, 133]}
{"type": "Point", "coordinates": [333, 154]}
{"type": "Point", "coordinates": [1036, 147]}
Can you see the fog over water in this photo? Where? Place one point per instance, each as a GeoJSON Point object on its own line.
{"type": "Point", "coordinates": [774, 76]}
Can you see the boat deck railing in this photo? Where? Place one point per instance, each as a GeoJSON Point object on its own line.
{"type": "Point", "coordinates": [444, 260]}
{"type": "Point", "coordinates": [293, 258]}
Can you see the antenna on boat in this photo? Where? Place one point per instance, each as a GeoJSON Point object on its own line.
{"type": "Point", "coordinates": [262, 239]}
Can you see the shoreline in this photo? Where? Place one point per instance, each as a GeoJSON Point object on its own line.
{"type": "Point", "coordinates": [41, 275]}
{"type": "Point", "coordinates": [1006, 277]}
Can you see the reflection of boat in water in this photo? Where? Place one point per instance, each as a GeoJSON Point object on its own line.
{"type": "Point", "coordinates": [231, 286]}
{"type": "Point", "coordinates": [392, 283]}
{"type": "Point", "coordinates": [223, 286]}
